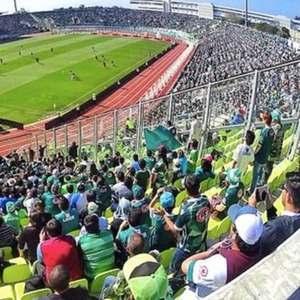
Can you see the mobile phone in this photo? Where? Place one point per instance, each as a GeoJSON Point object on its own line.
{"type": "Point", "coordinates": [261, 193]}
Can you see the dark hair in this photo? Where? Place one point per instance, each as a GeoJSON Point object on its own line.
{"type": "Point", "coordinates": [134, 215]}
{"type": "Point", "coordinates": [293, 187]}
{"type": "Point", "coordinates": [194, 143]}
{"type": "Point", "coordinates": [34, 217]}
{"type": "Point", "coordinates": [206, 165]}
{"type": "Point", "coordinates": [120, 176]}
{"type": "Point", "coordinates": [101, 181]}
{"type": "Point", "coordinates": [39, 205]}
{"type": "Point", "coordinates": [70, 188]}
{"type": "Point", "coordinates": [59, 278]}
{"type": "Point", "coordinates": [142, 164]}
{"type": "Point", "coordinates": [81, 188]}
{"type": "Point", "coordinates": [121, 160]}
{"type": "Point", "coordinates": [135, 157]}
{"type": "Point", "coordinates": [149, 152]}
{"type": "Point", "coordinates": [53, 228]}
{"type": "Point", "coordinates": [128, 182]}
{"type": "Point", "coordinates": [249, 137]}
{"type": "Point", "coordinates": [135, 244]}
{"type": "Point", "coordinates": [91, 223]}
{"type": "Point", "coordinates": [91, 196]}
{"type": "Point", "coordinates": [63, 203]}
{"type": "Point", "coordinates": [131, 171]}
{"type": "Point", "coordinates": [192, 184]}
{"type": "Point", "coordinates": [243, 246]}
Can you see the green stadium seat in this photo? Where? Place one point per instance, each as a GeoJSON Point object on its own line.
{"type": "Point", "coordinates": [178, 184]}
{"type": "Point", "coordinates": [108, 213]}
{"type": "Point", "coordinates": [80, 282]}
{"type": "Point", "coordinates": [22, 213]}
{"type": "Point", "coordinates": [179, 293]}
{"type": "Point", "coordinates": [223, 227]}
{"type": "Point", "coordinates": [7, 293]}
{"type": "Point", "coordinates": [74, 233]}
{"type": "Point", "coordinates": [7, 252]}
{"type": "Point", "coordinates": [166, 257]}
{"type": "Point", "coordinates": [96, 284]}
{"type": "Point", "coordinates": [180, 198]}
{"type": "Point", "coordinates": [24, 221]}
{"type": "Point", "coordinates": [18, 261]}
{"type": "Point", "coordinates": [16, 273]}
{"type": "Point", "coordinates": [20, 295]}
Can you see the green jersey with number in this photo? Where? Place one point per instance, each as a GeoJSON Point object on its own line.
{"type": "Point", "coordinates": [192, 222]}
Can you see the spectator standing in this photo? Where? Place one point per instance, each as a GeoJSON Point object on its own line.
{"type": "Point", "coordinates": [193, 156]}
{"type": "Point", "coordinates": [262, 150]}
{"type": "Point", "coordinates": [244, 154]}
{"type": "Point", "coordinates": [142, 176]}
{"type": "Point", "coordinates": [12, 218]}
{"type": "Point", "coordinates": [150, 160]}
{"type": "Point", "coordinates": [79, 200]}
{"type": "Point", "coordinates": [135, 163]}
{"type": "Point", "coordinates": [73, 150]}
{"type": "Point", "coordinates": [120, 167]}
{"type": "Point", "coordinates": [275, 152]}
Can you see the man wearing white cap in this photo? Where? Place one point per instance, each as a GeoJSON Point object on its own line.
{"type": "Point", "coordinates": [212, 269]}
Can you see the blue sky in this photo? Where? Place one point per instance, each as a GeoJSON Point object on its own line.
{"type": "Point", "coordinates": [289, 8]}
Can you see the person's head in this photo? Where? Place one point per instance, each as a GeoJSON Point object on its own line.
{"type": "Point", "coordinates": [194, 144]}
{"type": "Point", "coordinates": [34, 217]}
{"type": "Point", "coordinates": [80, 188]}
{"type": "Point", "coordinates": [70, 188]}
{"type": "Point", "coordinates": [249, 137]}
{"type": "Point", "coordinates": [137, 192]}
{"type": "Point", "coordinates": [146, 278]}
{"type": "Point", "coordinates": [55, 189]}
{"type": "Point", "coordinates": [59, 279]}
{"type": "Point", "coordinates": [149, 153]}
{"type": "Point", "coordinates": [233, 176]}
{"type": "Point", "coordinates": [291, 192]}
{"type": "Point", "coordinates": [101, 181]}
{"type": "Point", "coordinates": [120, 176]}
{"type": "Point", "coordinates": [267, 118]}
{"type": "Point", "coordinates": [91, 223]}
{"type": "Point", "coordinates": [131, 171]}
{"type": "Point", "coordinates": [192, 184]}
{"type": "Point", "coordinates": [134, 216]}
{"type": "Point", "coordinates": [63, 203]}
{"type": "Point", "coordinates": [180, 153]}
{"type": "Point", "coordinates": [142, 164]}
{"type": "Point", "coordinates": [128, 182]}
{"type": "Point", "coordinates": [206, 165]}
{"type": "Point", "coordinates": [276, 116]}
{"type": "Point", "coordinates": [39, 206]}
{"type": "Point", "coordinates": [167, 201]}
{"type": "Point", "coordinates": [53, 228]}
{"type": "Point", "coordinates": [121, 160]}
{"type": "Point", "coordinates": [91, 196]}
{"type": "Point", "coordinates": [135, 244]}
{"type": "Point", "coordinates": [135, 157]}
{"type": "Point", "coordinates": [247, 227]}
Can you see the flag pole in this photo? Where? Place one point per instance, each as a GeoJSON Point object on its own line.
{"type": "Point", "coordinates": [246, 13]}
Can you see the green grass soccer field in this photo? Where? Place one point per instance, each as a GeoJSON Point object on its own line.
{"type": "Point", "coordinates": [31, 90]}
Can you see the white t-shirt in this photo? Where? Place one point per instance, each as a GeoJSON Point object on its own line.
{"type": "Point", "coordinates": [208, 274]}
{"type": "Point", "coordinates": [243, 155]}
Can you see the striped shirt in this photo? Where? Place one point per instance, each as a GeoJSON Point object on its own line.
{"type": "Point", "coordinates": [7, 235]}
{"type": "Point", "coordinates": [98, 252]}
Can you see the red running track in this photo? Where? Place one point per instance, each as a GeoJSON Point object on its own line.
{"type": "Point", "coordinates": [129, 94]}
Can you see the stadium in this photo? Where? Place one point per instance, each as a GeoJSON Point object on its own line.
{"type": "Point", "coordinates": [149, 153]}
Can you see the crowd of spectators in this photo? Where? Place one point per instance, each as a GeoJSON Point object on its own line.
{"type": "Point", "coordinates": [65, 194]}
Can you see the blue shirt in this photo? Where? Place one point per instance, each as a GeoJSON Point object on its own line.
{"type": "Point", "coordinates": [135, 165]}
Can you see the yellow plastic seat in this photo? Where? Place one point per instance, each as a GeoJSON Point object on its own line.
{"type": "Point", "coordinates": [20, 295]}
{"type": "Point", "coordinates": [166, 257]}
{"type": "Point", "coordinates": [7, 293]}
{"type": "Point", "coordinates": [212, 192]}
{"type": "Point", "coordinates": [178, 184]}
{"type": "Point", "coordinates": [96, 284]}
{"type": "Point", "coordinates": [7, 252]}
{"type": "Point", "coordinates": [24, 221]}
{"type": "Point", "coordinates": [180, 197]}
{"type": "Point", "coordinates": [213, 225]}
{"type": "Point", "coordinates": [18, 261]}
{"type": "Point", "coordinates": [16, 273]}
{"type": "Point", "coordinates": [223, 227]}
{"type": "Point", "coordinates": [74, 233]}
{"type": "Point", "coordinates": [108, 213]}
{"type": "Point", "coordinates": [80, 282]}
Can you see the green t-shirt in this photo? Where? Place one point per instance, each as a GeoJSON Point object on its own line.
{"type": "Point", "coordinates": [103, 195]}
{"type": "Point", "coordinates": [150, 162]}
{"type": "Point", "coordinates": [123, 236]}
{"type": "Point", "coordinates": [98, 252]}
{"type": "Point", "coordinates": [192, 221]}
{"type": "Point", "coordinates": [50, 207]}
{"type": "Point", "coordinates": [142, 178]}
{"type": "Point", "coordinates": [265, 141]}
{"type": "Point", "coordinates": [160, 169]}
{"type": "Point", "coordinates": [161, 236]}
{"type": "Point", "coordinates": [193, 157]}
{"type": "Point", "coordinates": [12, 219]}
{"type": "Point", "coordinates": [68, 219]}
{"type": "Point", "coordinates": [233, 195]}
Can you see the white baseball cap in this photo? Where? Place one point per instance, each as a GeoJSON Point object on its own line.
{"type": "Point", "coordinates": [247, 221]}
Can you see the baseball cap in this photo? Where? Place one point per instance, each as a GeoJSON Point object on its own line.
{"type": "Point", "coordinates": [167, 200]}
{"type": "Point", "coordinates": [146, 278]}
{"type": "Point", "coordinates": [10, 207]}
{"type": "Point", "coordinates": [92, 208]}
{"type": "Point", "coordinates": [247, 221]}
{"type": "Point", "coordinates": [208, 157]}
{"type": "Point", "coordinates": [233, 176]}
{"type": "Point", "coordinates": [138, 192]}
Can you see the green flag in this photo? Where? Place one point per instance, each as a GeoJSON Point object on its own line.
{"type": "Point", "coordinates": [161, 136]}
